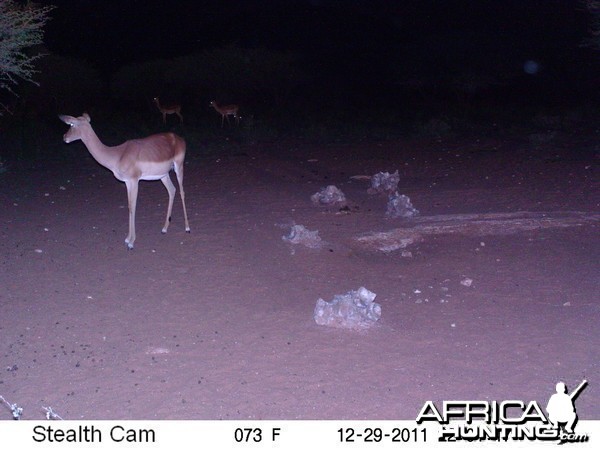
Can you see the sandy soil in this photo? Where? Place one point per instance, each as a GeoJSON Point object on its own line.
{"type": "Point", "coordinates": [218, 323]}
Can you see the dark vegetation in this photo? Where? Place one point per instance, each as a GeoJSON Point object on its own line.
{"type": "Point", "coordinates": [396, 84]}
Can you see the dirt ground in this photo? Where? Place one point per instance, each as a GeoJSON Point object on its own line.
{"type": "Point", "coordinates": [218, 323]}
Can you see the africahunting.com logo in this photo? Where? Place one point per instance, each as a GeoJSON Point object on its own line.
{"type": "Point", "coordinates": [509, 420]}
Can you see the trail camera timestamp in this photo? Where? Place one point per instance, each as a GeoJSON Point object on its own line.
{"type": "Point", "coordinates": [377, 434]}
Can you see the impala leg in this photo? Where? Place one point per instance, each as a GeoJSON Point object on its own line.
{"type": "Point", "coordinates": [166, 180]}
{"type": "Point", "coordinates": [132, 192]}
{"type": "Point", "coordinates": [179, 173]}
{"type": "Point", "coordinates": [180, 116]}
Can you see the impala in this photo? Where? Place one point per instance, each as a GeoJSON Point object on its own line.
{"type": "Point", "coordinates": [168, 109]}
{"type": "Point", "coordinates": [150, 158]}
{"type": "Point", "coordinates": [226, 111]}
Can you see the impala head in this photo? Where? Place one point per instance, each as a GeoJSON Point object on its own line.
{"type": "Point", "coordinates": [156, 100]}
{"type": "Point", "coordinates": [76, 124]}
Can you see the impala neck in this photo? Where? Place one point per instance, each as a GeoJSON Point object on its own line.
{"type": "Point", "coordinates": [105, 155]}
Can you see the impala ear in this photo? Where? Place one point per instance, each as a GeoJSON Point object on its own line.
{"type": "Point", "coordinates": [69, 120]}
{"type": "Point", "coordinates": [86, 116]}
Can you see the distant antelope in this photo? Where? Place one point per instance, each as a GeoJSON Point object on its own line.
{"type": "Point", "coordinates": [150, 158]}
{"type": "Point", "coordinates": [226, 111]}
{"type": "Point", "coordinates": [173, 108]}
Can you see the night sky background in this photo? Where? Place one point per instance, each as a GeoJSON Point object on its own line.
{"type": "Point", "coordinates": [359, 53]}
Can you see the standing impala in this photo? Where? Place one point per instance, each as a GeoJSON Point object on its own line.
{"type": "Point", "coordinates": [150, 158]}
{"type": "Point", "coordinates": [168, 109]}
{"type": "Point", "coordinates": [226, 111]}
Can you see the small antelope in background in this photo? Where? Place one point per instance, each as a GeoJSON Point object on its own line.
{"type": "Point", "coordinates": [226, 111]}
{"type": "Point", "coordinates": [168, 109]}
{"type": "Point", "coordinates": [150, 158]}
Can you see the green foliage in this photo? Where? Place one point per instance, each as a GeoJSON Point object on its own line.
{"type": "Point", "coordinates": [21, 27]}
